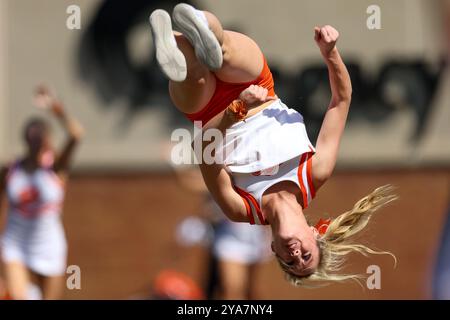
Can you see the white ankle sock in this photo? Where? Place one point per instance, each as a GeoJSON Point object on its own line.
{"type": "Point", "coordinates": [173, 40]}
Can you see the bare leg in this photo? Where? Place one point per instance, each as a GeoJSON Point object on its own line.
{"type": "Point", "coordinates": [194, 93]}
{"type": "Point", "coordinates": [242, 62]}
{"type": "Point", "coordinates": [17, 280]}
{"type": "Point", "coordinates": [234, 278]}
{"type": "Point", "coordinates": [242, 57]}
{"type": "Point", "coordinates": [52, 287]}
{"type": "Point", "coordinates": [253, 275]}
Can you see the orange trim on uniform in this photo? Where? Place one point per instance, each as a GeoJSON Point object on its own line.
{"type": "Point", "coordinates": [300, 180]}
{"type": "Point", "coordinates": [309, 176]}
{"type": "Point", "coordinates": [247, 205]}
{"type": "Point", "coordinates": [31, 211]}
{"type": "Point", "coordinates": [258, 209]}
{"type": "Point", "coordinates": [249, 197]}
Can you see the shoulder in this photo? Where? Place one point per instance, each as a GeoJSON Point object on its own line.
{"type": "Point", "coordinates": [7, 169]}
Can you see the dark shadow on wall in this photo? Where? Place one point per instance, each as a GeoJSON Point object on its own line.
{"type": "Point", "coordinates": [104, 60]}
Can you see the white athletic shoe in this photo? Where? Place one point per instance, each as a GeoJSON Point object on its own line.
{"type": "Point", "coordinates": [169, 57]}
{"type": "Point", "coordinates": [195, 28]}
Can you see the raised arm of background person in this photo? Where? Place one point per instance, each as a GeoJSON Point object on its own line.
{"type": "Point", "coordinates": [3, 175]}
{"type": "Point", "coordinates": [72, 127]}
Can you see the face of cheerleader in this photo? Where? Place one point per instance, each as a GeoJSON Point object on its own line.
{"type": "Point", "coordinates": [294, 241]}
{"type": "Point", "coordinates": [37, 139]}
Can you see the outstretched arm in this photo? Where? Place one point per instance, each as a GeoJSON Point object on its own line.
{"type": "Point", "coordinates": [74, 130]}
{"type": "Point", "coordinates": [216, 177]}
{"type": "Point", "coordinates": [333, 125]}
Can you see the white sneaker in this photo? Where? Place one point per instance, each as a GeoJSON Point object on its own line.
{"type": "Point", "coordinates": [196, 30]}
{"type": "Point", "coordinates": [169, 57]}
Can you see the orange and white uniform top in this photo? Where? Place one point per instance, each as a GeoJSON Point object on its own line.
{"type": "Point", "coordinates": [271, 136]}
{"type": "Point", "coordinates": [268, 147]}
{"type": "Point", "coordinates": [31, 195]}
{"type": "Point", "coordinates": [34, 234]}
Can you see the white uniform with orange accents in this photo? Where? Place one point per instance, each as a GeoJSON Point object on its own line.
{"type": "Point", "coordinates": [34, 234]}
{"type": "Point", "coordinates": [251, 187]}
{"type": "Point", "coordinates": [267, 148]}
{"type": "Point", "coordinates": [272, 136]}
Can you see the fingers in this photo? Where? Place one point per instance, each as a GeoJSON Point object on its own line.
{"type": "Point", "coordinates": [262, 94]}
{"type": "Point", "coordinates": [42, 89]}
{"type": "Point", "coordinates": [258, 93]}
{"type": "Point", "coordinates": [326, 33]}
{"type": "Point", "coordinates": [332, 32]}
{"type": "Point", "coordinates": [317, 33]}
{"type": "Point", "coordinates": [254, 95]}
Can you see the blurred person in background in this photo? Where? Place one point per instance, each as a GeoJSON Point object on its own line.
{"type": "Point", "coordinates": [219, 78]}
{"type": "Point", "coordinates": [33, 243]}
{"type": "Point", "coordinates": [240, 250]}
{"type": "Point", "coordinates": [3, 292]}
{"type": "Point", "coordinates": [441, 281]}
{"type": "Point", "coordinates": [236, 251]}
{"type": "Point", "coordinates": [170, 285]}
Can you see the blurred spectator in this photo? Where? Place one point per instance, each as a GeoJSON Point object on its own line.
{"type": "Point", "coordinates": [3, 292]}
{"type": "Point", "coordinates": [441, 285]}
{"type": "Point", "coordinates": [236, 250]}
{"type": "Point", "coordinates": [173, 285]}
{"type": "Point", "coordinates": [34, 247]}
{"type": "Point", "coordinates": [441, 281]}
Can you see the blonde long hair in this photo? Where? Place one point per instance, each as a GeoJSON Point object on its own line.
{"type": "Point", "coordinates": [336, 243]}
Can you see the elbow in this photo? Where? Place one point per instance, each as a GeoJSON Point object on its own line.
{"type": "Point", "coordinates": [345, 96]}
{"type": "Point", "coordinates": [348, 95]}
{"type": "Point", "coordinates": [342, 99]}
{"type": "Point", "coordinates": [322, 176]}
{"type": "Point", "coordinates": [235, 216]}
{"type": "Point", "coordinates": [76, 134]}
{"type": "Point", "coordinates": [322, 172]}
{"type": "Point", "coordinates": [75, 139]}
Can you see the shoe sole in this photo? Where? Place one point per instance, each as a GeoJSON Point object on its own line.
{"type": "Point", "coordinates": [169, 57]}
{"type": "Point", "coordinates": [207, 47]}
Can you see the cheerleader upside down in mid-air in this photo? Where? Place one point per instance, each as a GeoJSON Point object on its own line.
{"type": "Point", "coordinates": [219, 78]}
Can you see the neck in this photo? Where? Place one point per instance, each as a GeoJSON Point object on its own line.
{"type": "Point", "coordinates": [31, 161]}
{"type": "Point", "coordinates": [283, 211]}
{"type": "Point", "coordinates": [274, 215]}
{"type": "Point", "coordinates": [282, 208]}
